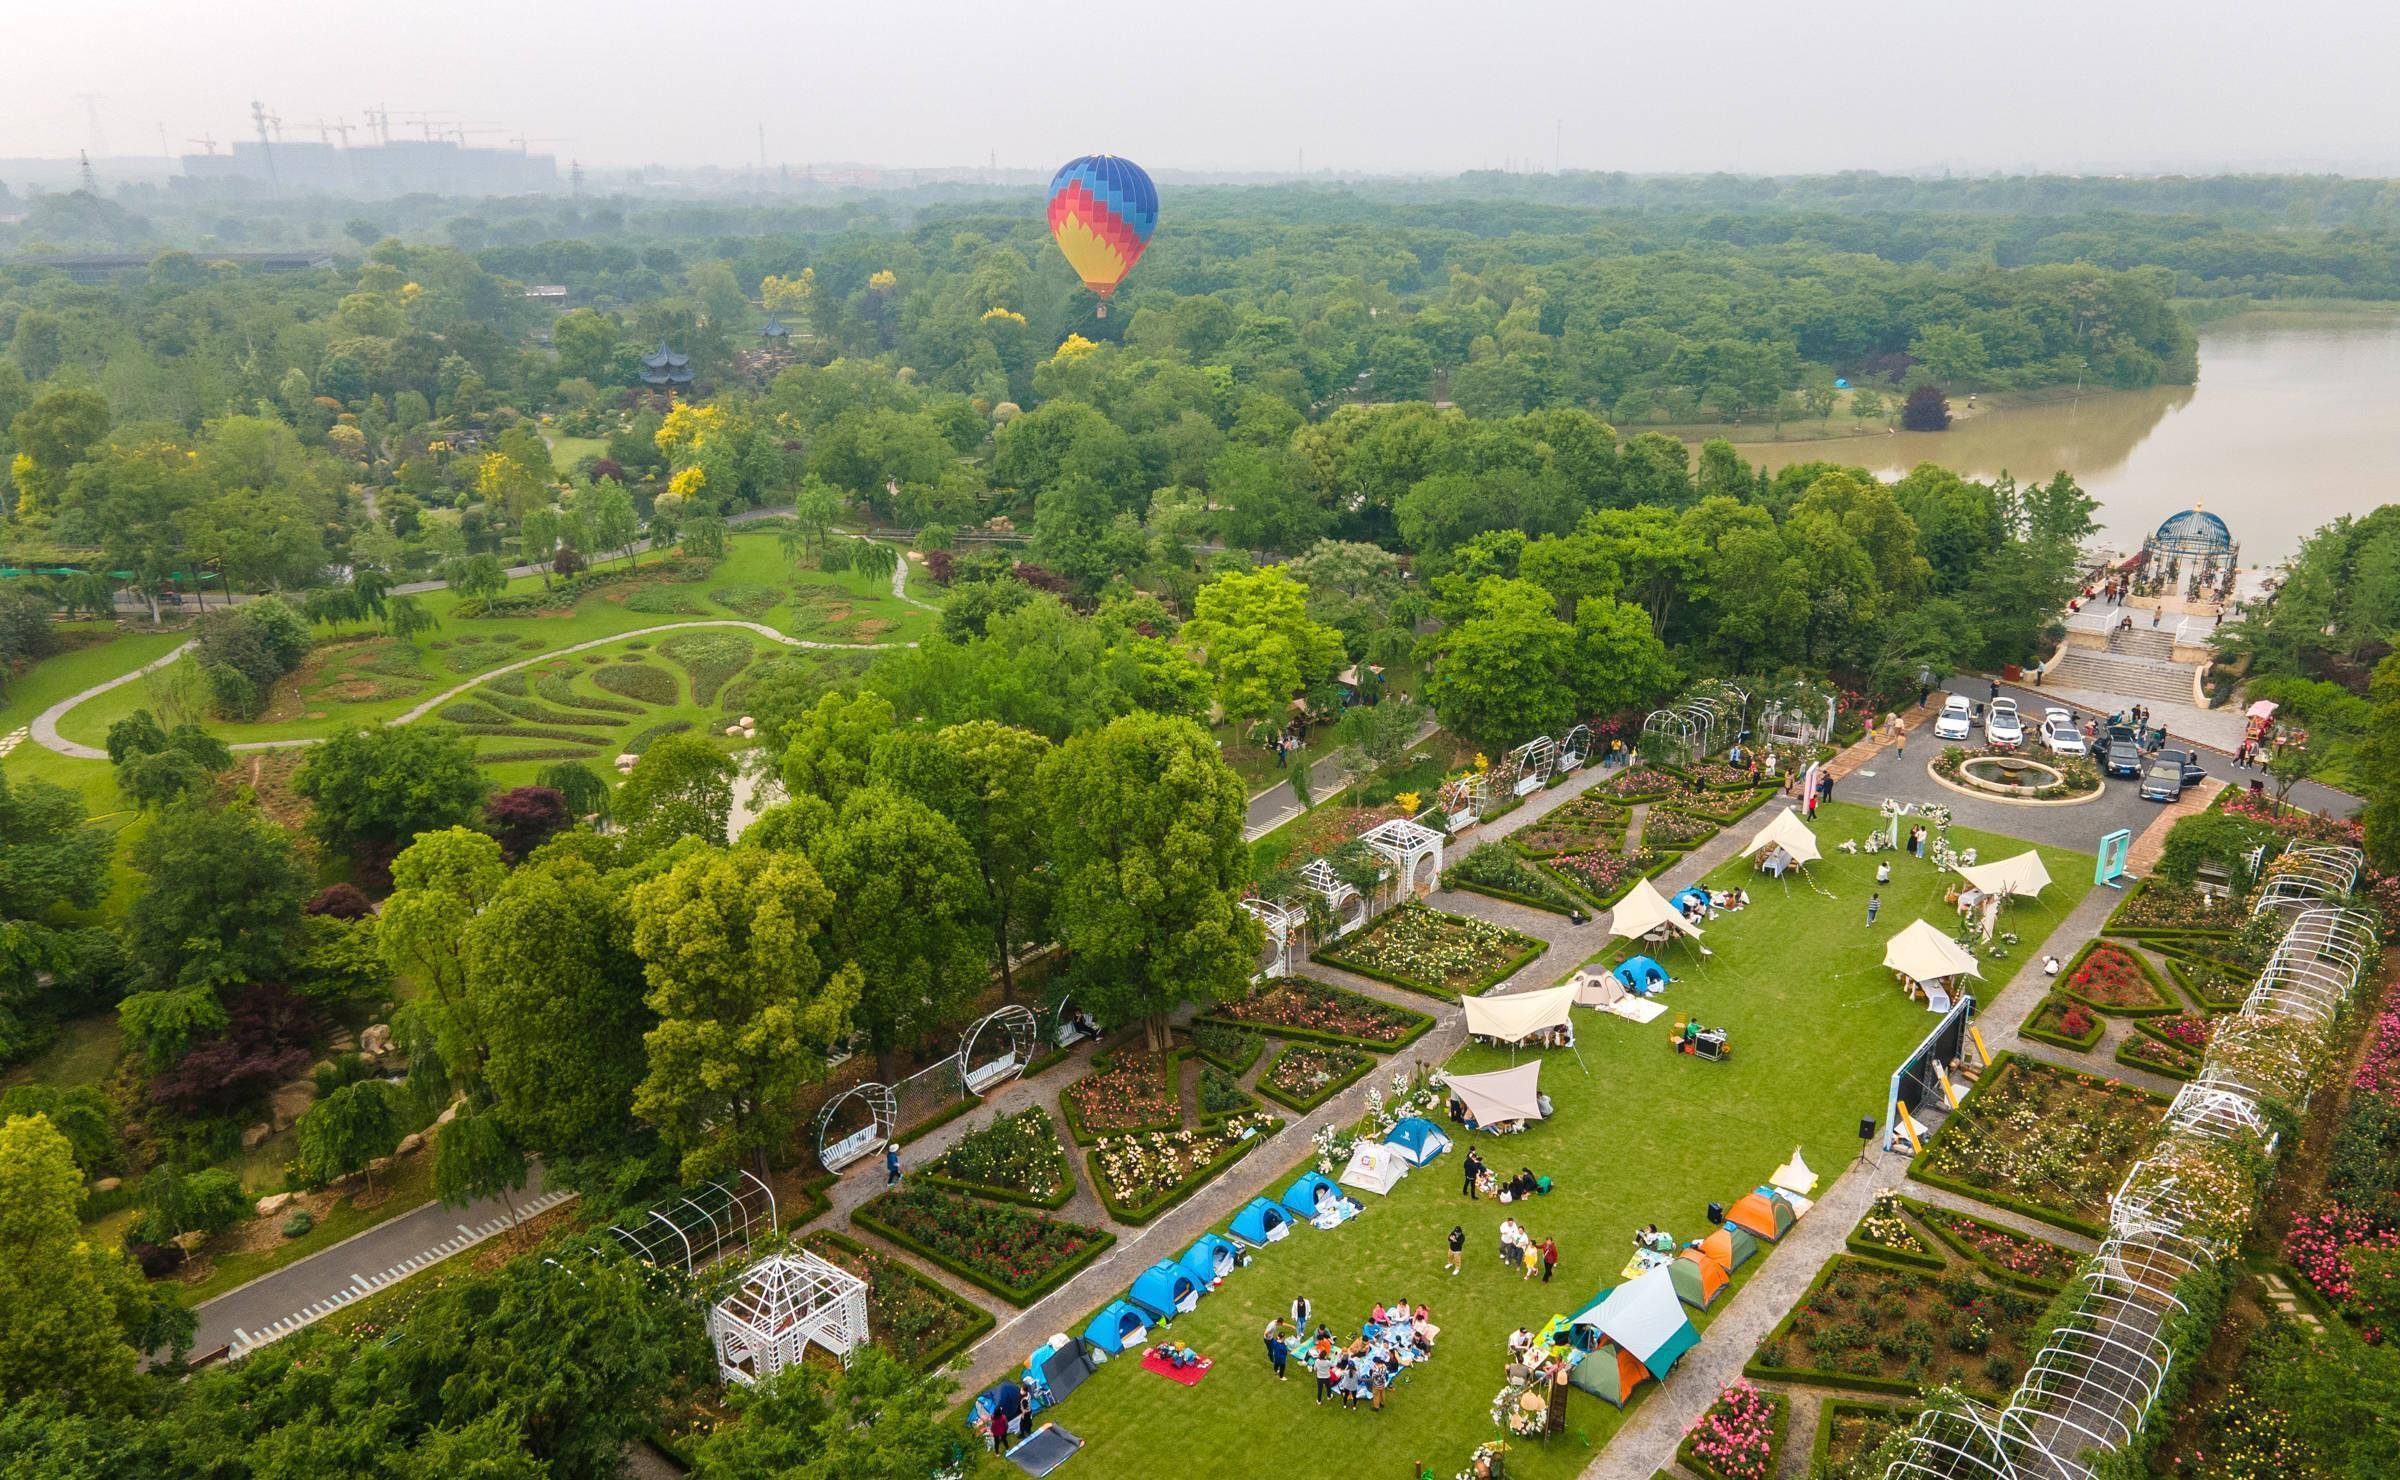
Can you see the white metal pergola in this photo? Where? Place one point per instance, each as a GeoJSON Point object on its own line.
{"type": "Point", "coordinates": [1284, 925]}
{"type": "Point", "coordinates": [779, 1307]}
{"type": "Point", "coordinates": [997, 1047]}
{"type": "Point", "coordinates": [2219, 1113]}
{"type": "Point", "coordinates": [1574, 748]}
{"type": "Point", "coordinates": [1462, 800]}
{"type": "Point", "coordinates": [837, 1149]}
{"type": "Point", "coordinates": [691, 1231]}
{"type": "Point", "coordinates": [1405, 845]}
{"type": "Point", "coordinates": [2318, 963]}
{"type": "Point", "coordinates": [1677, 728]}
{"type": "Point", "coordinates": [2310, 874]}
{"type": "Point", "coordinates": [1524, 770]}
{"type": "Point", "coordinates": [1349, 907]}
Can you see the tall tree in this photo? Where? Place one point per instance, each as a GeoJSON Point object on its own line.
{"type": "Point", "coordinates": [828, 754]}
{"type": "Point", "coordinates": [1506, 674]}
{"type": "Point", "coordinates": [985, 777]}
{"type": "Point", "coordinates": [1147, 851]}
{"type": "Point", "coordinates": [682, 787]}
{"type": "Point", "coordinates": [389, 784]}
{"type": "Point", "coordinates": [907, 907]}
{"type": "Point", "coordinates": [876, 1419]}
{"type": "Point", "coordinates": [443, 881]}
{"type": "Point", "coordinates": [347, 1131]}
{"type": "Point", "coordinates": [733, 946]}
{"type": "Point", "coordinates": [221, 901]}
{"type": "Point", "coordinates": [1259, 643]}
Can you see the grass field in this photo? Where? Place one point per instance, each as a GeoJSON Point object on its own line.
{"type": "Point", "coordinates": [1817, 1027]}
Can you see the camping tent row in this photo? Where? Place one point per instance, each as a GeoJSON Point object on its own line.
{"type": "Point", "coordinates": [1637, 976]}
{"type": "Point", "coordinates": [1162, 1292]}
{"type": "Point", "coordinates": [1785, 836]}
{"type": "Point", "coordinates": [1921, 953]}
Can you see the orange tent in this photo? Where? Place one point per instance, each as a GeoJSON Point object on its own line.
{"type": "Point", "coordinates": [1699, 1280]}
{"type": "Point", "coordinates": [1609, 1371]}
{"type": "Point", "coordinates": [1730, 1247]}
{"type": "Point", "coordinates": [1764, 1214]}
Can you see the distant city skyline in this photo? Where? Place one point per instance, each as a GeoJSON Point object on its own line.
{"type": "Point", "coordinates": [1398, 87]}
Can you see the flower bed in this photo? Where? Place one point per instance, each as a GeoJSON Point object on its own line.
{"type": "Point", "coordinates": [1016, 1158]}
{"type": "Point", "coordinates": [1664, 828]}
{"type": "Point", "coordinates": [1848, 1434]}
{"type": "Point", "coordinates": [1428, 951]}
{"type": "Point", "coordinates": [1130, 1090]}
{"type": "Point", "coordinates": [2322, 1242]}
{"type": "Point", "coordinates": [1575, 826]}
{"type": "Point", "coordinates": [1884, 1232]}
{"type": "Point", "coordinates": [1867, 1324]}
{"type": "Point", "coordinates": [2296, 822]}
{"type": "Point", "coordinates": [2117, 981]}
{"type": "Point", "coordinates": [2066, 1023]}
{"type": "Point", "coordinates": [1726, 776]}
{"type": "Point", "coordinates": [914, 1319]}
{"type": "Point", "coordinates": [1141, 1176]}
{"type": "Point", "coordinates": [1605, 876]}
{"type": "Point", "coordinates": [1719, 807]}
{"type": "Point", "coordinates": [1221, 1095]}
{"type": "Point", "coordinates": [1305, 1076]}
{"type": "Point", "coordinates": [2214, 985]}
{"type": "Point", "coordinates": [1301, 1007]}
{"type": "Point", "coordinates": [1229, 1047]}
{"type": "Point", "coordinates": [1017, 1255]}
{"type": "Point", "coordinates": [1640, 784]}
{"type": "Point", "coordinates": [2007, 1256]}
{"type": "Point", "coordinates": [2172, 1046]}
{"type": "Point", "coordinates": [2042, 1140]}
{"type": "Point", "coordinates": [2159, 908]}
{"type": "Point", "coordinates": [1501, 872]}
{"type": "Point", "coordinates": [1740, 1437]}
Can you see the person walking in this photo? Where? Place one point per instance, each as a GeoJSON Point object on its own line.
{"type": "Point", "coordinates": [891, 1163]}
{"type": "Point", "coordinates": [1278, 1350]}
{"type": "Point", "coordinates": [1549, 1258]}
{"type": "Point", "coordinates": [1458, 1246]}
{"type": "Point", "coordinates": [1900, 735]}
{"type": "Point", "coordinates": [1874, 907]}
{"type": "Point", "coordinates": [1300, 1313]}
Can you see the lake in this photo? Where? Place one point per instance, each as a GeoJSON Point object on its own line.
{"type": "Point", "coordinates": [2292, 424]}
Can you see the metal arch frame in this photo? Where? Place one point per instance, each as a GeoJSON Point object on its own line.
{"type": "Point", "coordinates": [1463, 796]}
{"type": "Point", "coordinates": [1338, 893]}
{"type": "Point", "coordinates": [1024, 1033]}
{"type": "Point", "coordinates": [2322, 872]}
{"type": "Point", "coordinates": [1404, 844]}
{"type": "Point", "coordinates": [731, 1196]}
{"type": "Point", "coordinates": [1574, 748]}
{"type": "Point", "coordinates": [882, 1105]}
{"type": "Point", "coordinates": [1672, 724]}
{"type": "Point", "coordinates": [2217, 1113]}
{"type": "Point", "coordinates": [1713, 714]}
{"type": "Point", "coordinates": [2285, 1081]}
{"type": "Point", "coordinates": [1958, 1442]}
{"type": "Point", "coordinates": [1530, 761]}
{"type": "Point", "coordinates": [1283, 924]}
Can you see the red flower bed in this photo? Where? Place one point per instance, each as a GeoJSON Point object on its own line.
{"type": "Point", "coordinates": [1296, 1002]}
{"type": "Point", "coordinates": [2065, 1018]}
{"type": "Point", "coordinates": [1132, 1093]}
{"type": "Point", "coordinates": [1641, 781]}
{"type": "Point", "coordinates": [1006, 1244]}
{"type": "Point", "coordinates": [2112, 976]}
{"type": "Point", "coordinates": [1605, 874]}
{"type": "Point", "coordinates": [2034, 1258]}
{"type": "Point", "coordinates": [2294, 820]}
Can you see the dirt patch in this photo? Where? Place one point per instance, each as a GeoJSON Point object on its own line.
{"type": "Point", "coordinates": [268, 774]}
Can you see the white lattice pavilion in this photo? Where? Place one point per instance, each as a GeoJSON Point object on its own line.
{"type": "Point", "coordinates": [782, 1304]}
{"type": "Point", "coordinates": [1404, 845]}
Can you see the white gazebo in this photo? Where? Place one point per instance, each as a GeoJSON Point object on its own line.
{"type": "Point", "coordinates": [1405, 845]}
{"type": "Point", "coordinates": [780, 1305]}
{"type": "Point", "coordinates": [1930, 959]}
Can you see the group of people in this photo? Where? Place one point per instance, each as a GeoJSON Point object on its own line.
{"type": "Point", "coordinates": [1395, 1338]}
{"type": "Point", "coordinates": [1479, 1180]}
{"type": "Point", "coordinates": [1520, 1252]}
{"type": "Point", "coordinates": [2264, 742]}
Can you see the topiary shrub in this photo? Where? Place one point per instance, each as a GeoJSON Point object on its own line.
{"type": "Point", "coordinates": [638, 681]}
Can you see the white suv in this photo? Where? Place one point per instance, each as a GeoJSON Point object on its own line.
{"type": "Point", "coordinates": [2060, 734]}
{"type": "Point", "coordinates": [1957, 719]}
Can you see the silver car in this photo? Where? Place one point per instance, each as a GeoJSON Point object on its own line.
{"type": "Point", "coordinates": [2001, 727]}
{"type": "Point", "coordinates": [2061, 736]}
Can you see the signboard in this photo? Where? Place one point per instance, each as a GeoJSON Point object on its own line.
{"type": "Point", "coordinates": [2111, 868]}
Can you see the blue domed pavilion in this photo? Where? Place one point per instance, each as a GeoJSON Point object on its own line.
{"type": "Point", "coordinates": [2194, 534]}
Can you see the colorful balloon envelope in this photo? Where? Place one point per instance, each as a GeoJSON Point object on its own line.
{"type": "Point", "coordinates": [1102, 211]}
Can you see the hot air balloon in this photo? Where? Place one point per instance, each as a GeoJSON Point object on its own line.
{"type": "Point", "coordinates": [1102, 210]}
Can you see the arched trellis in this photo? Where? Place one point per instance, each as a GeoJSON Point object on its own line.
{"type": "Point", "coordinates": [691, 1230]}
{"type": "Point", "coordinates": [1462, 800]}
{"type": "Point", "coordinates": [1574, 748]}
{"type": "Point", "coordinates": [2219, 1114]}
{"type": "Point", "coordinates": [1349, 907]}
{"type": "Point", "coordinates": [998, 1047]}
{"type": "Point", "coordinates": [1804, 716]}
{"type": "Point", "coordinates": [2310, 874]}
{"type": "Point", "coordinates": [1527, 767]}
{"type": "Point", "coordinates": [836, 1150]}
{"type": "Point", "coordinates": [1715, 722]}
{"type": "Point", "coordinates": [1406, 846]}
{"type": "Point", "coordinates": [1673, 728]}
{"type": "Point", "coordinates": [1283, 925]}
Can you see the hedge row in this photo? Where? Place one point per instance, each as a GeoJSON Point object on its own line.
{"type": "Point", "coordinates": [1923, 1213]}
{"type": "Point", "coordinates": [2084, 1044]}
{"type": "Point", "coordinates": [1365, 1066]}
{"type": "Point", "coordinates": [1820, 1451]}
{"type": "Point", "coordinates": [558, 686]}
{"type": "Point", "coordinates": [979, 1320]}
{"type": "Point", "coordinates": [557, 754]}
{"type": "Point", "coordinates": [1510, 895]}
{"type": "Point", "coordinates": [1013, 1294]}
{"type": "Point", "coordinates": [1256, 1036]}
{"type": "Point", "coordinates": [528, 732]}
{"type": "Point", "coordinates": [1859, 1244]}
{"type": "Point", "coordinates": [2168, 1004]}
{"type": "Point", "coordinates": [1144, 1212]}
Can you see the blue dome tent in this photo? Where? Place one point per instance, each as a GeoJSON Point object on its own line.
{"type": "Point", "coordinates": [1058, 1367]}
{"type": "Point", "coordinates": [1262, 1222]}
{"type": "Point", "coordinates": [1117, 1327]}
{"type": "Point", "coordinates": [1165, 1290]}
{"type": "Point", "coordinates": [1210, 1259]}
{"type": "Point", "coordinates": [2194, 532]}
{"type": "Point", "coordinates": [1685, 897]}
{"type": "Point", "coordinates": [1641, 975]}
{"type": "Point", "coordinates": [1307, 1196]}
{"type": "Point", "coordinates": [1419, 1139]}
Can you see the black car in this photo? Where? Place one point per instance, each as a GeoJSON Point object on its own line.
{"type": "Point", "coordinates": [2120, 751]}
{"type": "Point", "coordinates": [2187, 761]}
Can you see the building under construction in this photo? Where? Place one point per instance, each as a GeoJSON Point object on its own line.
{"type": "Point", "coordinates": [396, 167]}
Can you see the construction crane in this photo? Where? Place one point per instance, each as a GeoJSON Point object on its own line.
{"type": "Point", "coordinates": [379, 119]}
{"type": "Point", "coordinates": [326, 131]}
{"type": "Point", "coordinates": [207, 143]}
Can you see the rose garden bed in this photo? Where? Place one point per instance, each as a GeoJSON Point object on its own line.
{"type": "Point", "coordinates": [2117, 981]}
{"type": "Point", "coordinates": [2159, 908]}
{"type": "Point", "coordinates": [1016, 1254]}
{"type": "Point", "coordinates": [1016, 1159]}
{"type": "Point", "coordinates": [2065, 1023]}
{"type": "Point", "coordinates": [1578, 825]}
{"type": "Point", "coordinates": [1720, 807]}
{"type": "Point", "coordinates": [1427, 951]}
{"type": "Point", "coordinates": [1740, 1437]}
{"type": "Point", "coordinates": [1227, 1046]}
{"type": "Point", "coordinates": [1301, 1007]}
{"type": "Point", "coordinates": [2172, 1046]}
{"type": "Point", "coordinates": [1877, 1326]}
{"type": "Point", "coordinates": [1848, 1434]}
{"type": "Point", "coordinates": [2214, 985]}
{"type": "Point", "coordinates": [2042, 1140]}
{"type": "Point", "coordinates": [1497, 870]}
{"type": "Point", "coordinates": [1129, 1090]}
{"type": "Point", "coordinates": [2003, 1254]}
{"type": "Point", "coordinates": [1664, 828]}
{"type": "Point", "coordinates": [1604, 876]}
{"type": "Point", "coordinates": [1640, 784]}
{"type": "Point", "coordinates": [1306, 1075]}
{"type": "Point", "coordinates": [1140, 1176]}
{"type": "Point", "coordinates": [1884, 1232]}
{"type": "Point", "coordinates": [916, 1320]}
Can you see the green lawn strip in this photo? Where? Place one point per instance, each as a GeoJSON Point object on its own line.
{"type": "Point", "coordinates": [1365, 1064]}
{"type": "Point", "coordinates": [1967, 1122]}
{"type": "Point", "coordinates": [2167, 1002]}
{"type": "Point", "coordinates": [1140, 1213]}
{"type": "Point", "coordinates": [405, 1188]}
{"type": "Point", "coordinates": [868, 1218]}
{"type": "Point", "coordinates": [1102, 1065]}
{"type": "Point", "coordinates": [2047, 1024]}
{"type": "Point", "coordinates": [887, 1307]}
{"type": "Point", "coordinates": [1932, 1220]}
{"type": "Point", "coordinates": [1778, 1434]}
{"type": "Point", "coordinates": [1873, 1419]}
{"type": "Point", "coordinates": [1707, 1132]}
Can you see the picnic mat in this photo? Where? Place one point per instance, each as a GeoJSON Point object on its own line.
{"type": "Point", "coordinates": [1188, 1376]}
{"type": "Point", "coordinates": [1044, 1450]}
{"type": "Point", "coordinates": [1637, 1009]}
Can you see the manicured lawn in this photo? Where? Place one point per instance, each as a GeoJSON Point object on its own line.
{"type": "Point", "coordinates": [85, 1050]}
{"type": "Point", "coordinates": [1646, 1136]}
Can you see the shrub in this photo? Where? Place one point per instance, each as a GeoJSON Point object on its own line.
{"type": "Point", "coordinates": [711, 658]}
{"type": "Point", "coordinates": [301, 1221]}
{"type": "Point", "coordinates": [341, 902]}
{"type": "Point", "coordinates": [656, 733]}
{"type": "Point", "coordinates": [472, 712]}
{"type": "Point", "coordinates": [638, 681]}
{"type": "Point", "coordinates": [267, 1029]}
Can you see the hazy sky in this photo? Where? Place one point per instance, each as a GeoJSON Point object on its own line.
{"type": "Point", "coordinates": [1250, 84]}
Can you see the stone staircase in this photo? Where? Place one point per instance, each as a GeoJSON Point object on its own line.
{"type": "Point", "coordinates": [2127, 674]}
{"type": "Point", "coordinates": [2155, 643]}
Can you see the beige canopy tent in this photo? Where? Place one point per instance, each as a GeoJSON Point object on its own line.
{"type": "Point", "coordinates": [1517, 1016]}
{"type": "Point", "coordinates": [1643, 910]}
{"type": "Point", "coordinates": [1599, 989]}
{"type": "Point", "coordinates": [1923, 954]}
{"type": "Point", "coordinates": [2022, 874]}
{"type": "Point", "coordinates": [1790, 834]}
{"type": "Point", "coordinates": [1502, 1094]}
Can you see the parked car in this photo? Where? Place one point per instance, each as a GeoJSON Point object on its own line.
{"type": "Point", "coordinates": [2188, 761]}
{"type": "Point", "coordinates": [2062, 716]}
{"type": "Point", "coordinates": [2001, 727]}
{"type": "Point", "coordinates": [2162, 780]}
{"type": "Point", "coordinates": [2120, 751]}
{"type": "Point", "coordinates": [1957, 719]}
{"type": "Point", "coordinates": [2061, 736]}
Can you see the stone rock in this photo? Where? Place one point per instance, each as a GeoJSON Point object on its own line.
{"type": "Point", "coordinates": [342, 1041]}
{"type": "Point", "coordinates": [376, 1041]}
{"type": "Point", "coordinates": [290, 1102]}
{"type": "Point", "coordinates": [273, 1203]}
{"type": "Point", "coordinates": [449, 1114]}
{"type": "Point", "coordinates": [256, 1136]}
{"type": "Point", "coordinates": [412, 1142]}
{"type": "Point", "coordinates": [108, 1184]}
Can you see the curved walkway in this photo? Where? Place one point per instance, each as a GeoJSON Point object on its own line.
{"type": "Point", "coordinates": [45, 724]}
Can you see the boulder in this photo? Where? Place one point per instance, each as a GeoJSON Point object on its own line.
{"type": "Point", "coordinates": [273, 1203]}
{"type": "Point", "coordinates": [410, 1143]}
{"type": "Point", "coordinates": [256, 1136]}
{"type": "Point", "coordinates": [290, 1102]}
{"type": "Point", "coordinates": [449, 1114]}
{"type": "Point", "coordinates": [108, 1184]}
{"type": "Point", "coordinates": [376, 1041]}
{"type": "Point", "coordinates": [342, 1041]}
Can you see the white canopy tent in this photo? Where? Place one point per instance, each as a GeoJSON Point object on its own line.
{"type": "Point", "coordinates": [2023, 874]}
{"type": "Point", "coordinates": [1375, 1167]}
{"type": "Point", "coordinates": [1790, 834]}
{"type": "Point", "coordinates": [1643, 911]}
{"type": "Point", "coordinates": [1502, 1094]}
{"type": "Point", "coordinates": [1930, 959]}
{"type": "Point", "coordinates": [1517, 1016]}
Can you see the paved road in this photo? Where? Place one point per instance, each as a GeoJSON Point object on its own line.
{"type": "Point", "coordinates": [280, 1302]}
